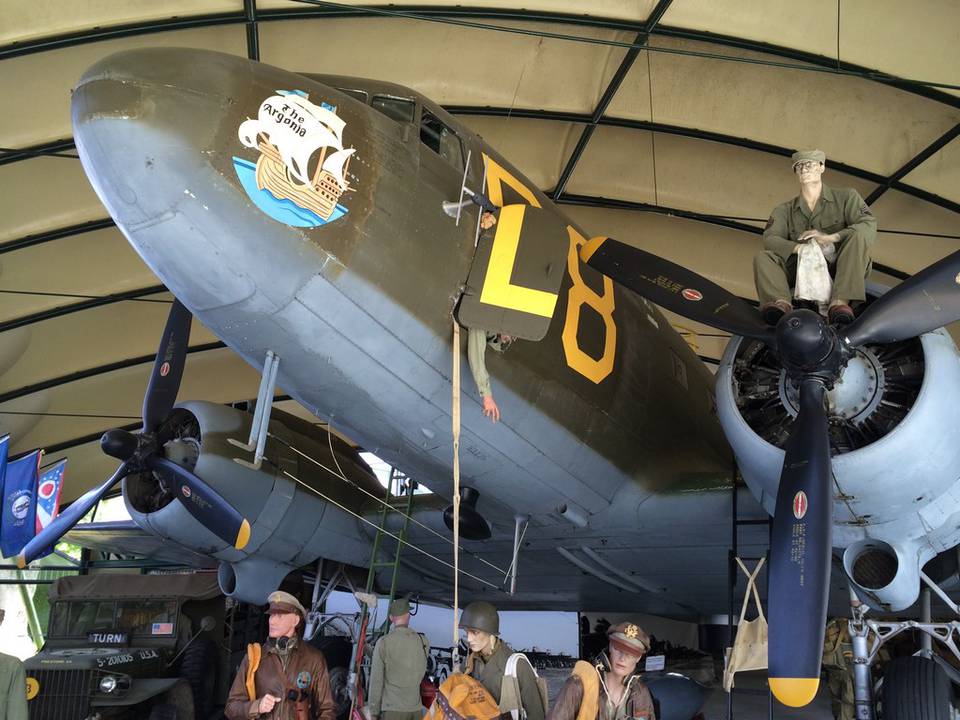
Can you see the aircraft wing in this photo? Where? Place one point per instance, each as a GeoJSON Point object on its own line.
{"type": "Point", "coordinates": [126, 538]}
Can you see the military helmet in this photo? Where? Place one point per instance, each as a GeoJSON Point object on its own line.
{"type": "Point", "coordinates": [481, 615]}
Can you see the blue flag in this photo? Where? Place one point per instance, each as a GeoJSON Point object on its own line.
{"type": "Point", "coordinates": [19, 503]}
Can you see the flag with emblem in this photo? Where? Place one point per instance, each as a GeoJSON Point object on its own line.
{"type": "Point", "coordinates": [49, 487]}
{"type": "Point", "coordinates": [19, 503]}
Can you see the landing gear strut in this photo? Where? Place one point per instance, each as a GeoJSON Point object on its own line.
{"type": "Point", "coordinates": [914, 688]}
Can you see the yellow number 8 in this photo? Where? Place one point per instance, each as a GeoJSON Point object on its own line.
{"type": "Point", "coordinates": [580, 294]}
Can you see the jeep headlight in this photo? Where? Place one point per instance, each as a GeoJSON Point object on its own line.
{"type": "Point", "coordinates": [108, 684]}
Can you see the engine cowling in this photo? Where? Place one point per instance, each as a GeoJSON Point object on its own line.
{"type": "Point", "coordinates": [290, 524]}
{"type": "Point", "coordinates": [892, 427]}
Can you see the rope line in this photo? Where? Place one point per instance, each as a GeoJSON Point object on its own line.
{"type": "Point", "coordinates": [342, 476]}
{"type": "Point", "coordinates": [386, 532]}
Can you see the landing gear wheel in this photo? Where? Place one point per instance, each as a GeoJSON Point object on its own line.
{"type": "Point", "coordinates": [916, 688]}
{"type": "Point", "coordinates": [340, 690]}
{"type": "Point", "coordinates": [175, 704]}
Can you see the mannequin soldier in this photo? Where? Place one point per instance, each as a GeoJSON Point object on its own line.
{"type": "Point", "coordinates": [285, 678]}
{"type": "Point", "coordinates": [488, 658]}
{"type": "Point", "coordinates": [837, 219]}
{"type": "Point", "coordinates": [399, 664]}
{"type": "Point", "coordinates": [610, 689]}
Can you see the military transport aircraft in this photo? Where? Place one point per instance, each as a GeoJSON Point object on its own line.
{"type": "Point", "coordinates": [304, 216]}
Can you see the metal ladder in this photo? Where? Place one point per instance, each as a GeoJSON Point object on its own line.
{"type": "Point", "coordinates": [405, 487]}
{"type": "Point", "coordinates": [733, 573]}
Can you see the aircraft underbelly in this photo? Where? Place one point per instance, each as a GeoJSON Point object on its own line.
{"type": "Point", "coordinates": [345, 364]}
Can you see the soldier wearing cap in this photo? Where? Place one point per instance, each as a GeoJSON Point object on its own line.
{"type": "Point", "coordinates": [285, 678]}
{"type": "Point", "coordinates": [837, 219]}
{"type": "Point", "coordinates": [488, 662]}
{"type": "Point", "coordinates": [609, 689]}
{"type": "Point", "coordinates": [399, 664]}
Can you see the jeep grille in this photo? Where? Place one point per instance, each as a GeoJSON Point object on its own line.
{"type": "Point", "coordinates": [63, 695]}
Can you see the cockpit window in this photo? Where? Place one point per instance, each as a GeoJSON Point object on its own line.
{"type": "Point", "coordinates": [441, 139]}
{"type": "Point", "coordinates": [360, 95]}
{"type": "Point", "coordinates": [399, 109]}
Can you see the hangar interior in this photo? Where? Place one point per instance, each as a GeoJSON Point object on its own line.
{"type": "Point", "coordinates": [668, 125]}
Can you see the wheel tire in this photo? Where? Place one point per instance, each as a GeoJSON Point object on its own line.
{"type": "Point", "coordinates": [340, 690]}
{"type": "Point", "coordinates": [175, 704]}
{"type": "Point", "coordinates": [336, 650]}
{"type": "Point", "coordinates": [198, 667]}
{"type": "Point", "coordinates": [916, 688]}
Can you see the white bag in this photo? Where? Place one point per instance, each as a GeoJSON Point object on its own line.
{"type": "Point", "coordinates": [813, 277]}
{"type": "Point", "coordinates": [749, 651]}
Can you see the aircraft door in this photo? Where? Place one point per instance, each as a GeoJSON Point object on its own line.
{"type": "Point", "coordinates": [516, 273]}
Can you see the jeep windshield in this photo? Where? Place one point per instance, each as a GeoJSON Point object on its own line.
{"type": "Point", "coordinates": [78, 618]}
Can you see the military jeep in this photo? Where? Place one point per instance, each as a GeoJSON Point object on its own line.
{"type": "Point", "coordinates": [130, 646]}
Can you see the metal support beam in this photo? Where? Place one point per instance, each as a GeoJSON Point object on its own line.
{"type": "Point", "coordinates": [598, 112]}
{"type": "Point", "coordinates": [86, 304]}
{"type": "Point", "coordinates": [57, 148]}
{"type": "Point", "coordinates": [612, 204]}
{"type": "Point", "coordinates": [915, 162]}
{"type": "Point", "coordinates": [253, 29]}
{"type": "Point", "coordinates": [55, 234]}
{"type": "Point", "coordinates": [260, 426]}
{"type": "Point", "coordinates": [611, 91]}
{"type": "Point", "coordinates": [94, 371]}
{"type": "Point", "coordinates": [457, 14]}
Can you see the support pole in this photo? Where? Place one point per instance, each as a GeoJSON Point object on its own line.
{"type": "Point", "coordinates": [926, 642]}
{"type": "Point", "coordinates": [862, 680]}
{"type": "Point", "coordinates": [517, 519]}
{"type": "Point", "coordinates": [260, 426]}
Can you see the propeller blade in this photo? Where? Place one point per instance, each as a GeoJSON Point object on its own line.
{"type": "Point", "coordinates": [800, 554]}
{"type": "Point", "coordinates": [167, 368]}
{"type": "Point", "coordinates": [928, 300]}
{"type": "Point", "coordinates": [203, 502]}
{"type": "Point", "coordinates": [674, 287]}
{"type": "Point", "coordinates": [60, 525]}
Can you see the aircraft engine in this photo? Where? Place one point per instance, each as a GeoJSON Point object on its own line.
{"type": "Point", "coordinates": [892, 420]}
{"type": "Point", "coordinates": [290, 525]}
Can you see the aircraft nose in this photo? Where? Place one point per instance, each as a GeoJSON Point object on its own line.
{"type": "Point", "coordinates": [156, 131]}
{"type": "Point", "coordinates": [134, 109]}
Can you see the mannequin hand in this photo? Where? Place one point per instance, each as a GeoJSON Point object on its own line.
{"type": "Point", "coordinates": [490, 408]}
{"type": "Point", "coordinates": [267, 702]}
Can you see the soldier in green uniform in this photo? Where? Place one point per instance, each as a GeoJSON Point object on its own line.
{"type": "Point", "coordinates": [837, 219]}
{"type": "Point", "coordinates": [13, 686]}
{"type": "Point", "coordinates": [477, 341]}
{"type": "Point", "coordinates": [488, 660]}
{"type": "Point", "coordinates": [399, 664]}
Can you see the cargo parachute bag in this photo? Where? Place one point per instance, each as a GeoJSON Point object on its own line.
{"type": "Point", "coordinates": [510, 700]}
{"type": "Point", "coordinates": [461, 697]}
{"type": "Point", "coordinates": [749, 651]}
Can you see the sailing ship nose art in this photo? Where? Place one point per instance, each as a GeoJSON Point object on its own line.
{"type": "Point", "coordinates": [301, 172]}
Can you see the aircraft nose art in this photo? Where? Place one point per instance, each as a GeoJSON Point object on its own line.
{"type": "Point", "coordinates": [186, 149]}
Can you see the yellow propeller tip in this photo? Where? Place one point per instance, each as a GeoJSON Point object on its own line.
{"type": "Point", "coordinates": [21, 561]}
{"type": "Point", "coordinates": [243, 535]}
{"type": "Point", "coordinates": [795, 692]}
{"type": "Point", "coordinates": [590, 247]}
